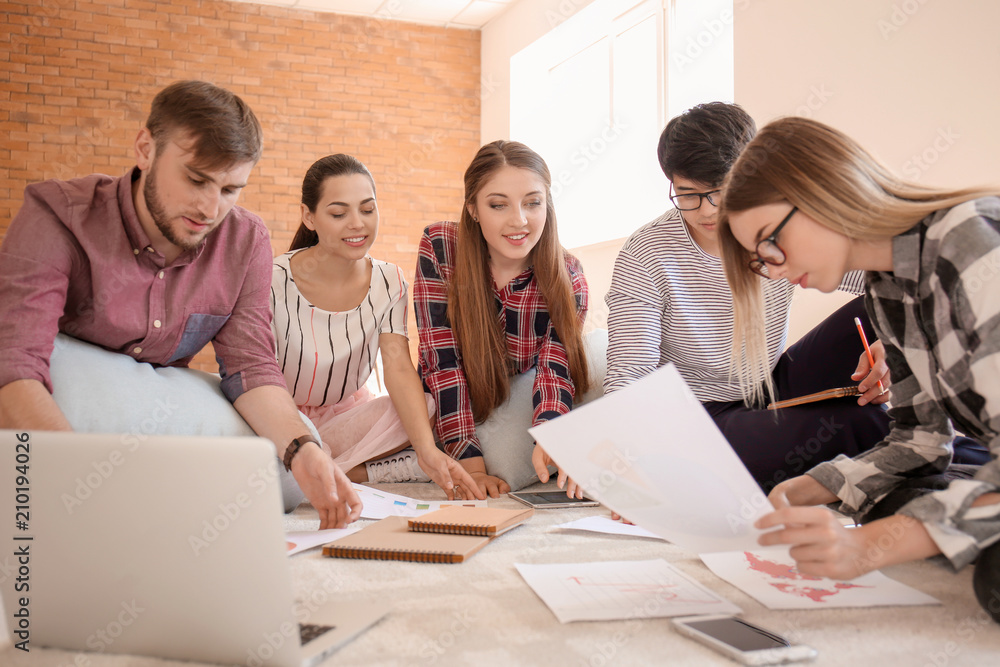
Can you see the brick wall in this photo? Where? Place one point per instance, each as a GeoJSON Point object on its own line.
{"type": "Point", "coordinates": [78, 77]}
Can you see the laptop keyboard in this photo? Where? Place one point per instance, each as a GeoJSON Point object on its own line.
{"type": "Point", "coordinates": [309, 632]}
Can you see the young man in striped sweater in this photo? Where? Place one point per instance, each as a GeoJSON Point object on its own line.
{"type": "Point", "coordinates": [669, 302]}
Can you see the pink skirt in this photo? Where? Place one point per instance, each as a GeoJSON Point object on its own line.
{"type": "Point", "coordinates": [360, 428]}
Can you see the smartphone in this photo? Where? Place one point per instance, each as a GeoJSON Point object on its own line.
{"type": "Point", "coordinates": [551, 499]}
{"type": "Point", "coordinates": [741, 641]}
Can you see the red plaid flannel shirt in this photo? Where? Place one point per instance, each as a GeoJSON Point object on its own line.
{"type": "Point", "coordinates": [531, 341]}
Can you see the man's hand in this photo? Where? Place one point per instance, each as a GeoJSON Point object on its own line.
{"type": "Point", "coordinates": [326, 486]}
{"type": "Point", "coordinates": [27, 404]}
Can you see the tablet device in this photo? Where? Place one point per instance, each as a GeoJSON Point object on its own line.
{"type": "Point", "coordinates": [551, 499]}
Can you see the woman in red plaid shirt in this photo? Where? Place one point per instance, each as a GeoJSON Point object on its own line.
{"type": "Point", "coordinates": [496, 296]}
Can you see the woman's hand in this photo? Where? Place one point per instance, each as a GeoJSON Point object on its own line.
{"type": "Point", "coordinates": [869, 376]}
{"type": "Point", "coordinates": [492, 486]}
{"type": "Point", "coordinates": [541, 462]}
{"type": "Point", "coordinates": [448, 474]}
{"type": "Point", "coordinates": [801, 490]}
{"type": "Point", "coordinates": [820, 544]}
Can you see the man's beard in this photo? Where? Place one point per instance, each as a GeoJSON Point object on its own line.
{"type": "Point", "coordinates": [159, 213]}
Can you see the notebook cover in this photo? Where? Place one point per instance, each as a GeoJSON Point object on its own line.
{"type": "Point", "coordinates": [485, 521]}
{"type": "Point", "coordinates": [391, 539]}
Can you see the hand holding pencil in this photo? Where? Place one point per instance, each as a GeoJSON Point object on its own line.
{"type": "Point", "coordinates": [872, 373]}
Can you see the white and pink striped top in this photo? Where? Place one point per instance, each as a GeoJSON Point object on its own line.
{"type": "Point", "coordinates": [327, 356]}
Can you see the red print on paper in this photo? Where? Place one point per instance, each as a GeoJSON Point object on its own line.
{"type": "Point", "coordinates": [788, 573]}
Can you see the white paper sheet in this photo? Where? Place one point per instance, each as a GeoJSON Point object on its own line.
{"type": "Point", "coordinates": [380, 504]}
{"type": "Point", "coordinates": [771, 579]}
{"type": "Point", "coordinates": [618, 590]}
{"type": "Point", "coordinates": [602, 524]}
{"type": "Point", "coordinates": [651, 453]}
{"type": "Point", "coordinates": [301, 540]}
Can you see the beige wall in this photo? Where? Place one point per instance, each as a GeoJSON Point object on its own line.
{"type": "Point", "coordinates": [915, 81]}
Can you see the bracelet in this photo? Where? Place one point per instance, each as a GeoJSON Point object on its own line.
{"type": "Point", "coordinates": [293, 449]}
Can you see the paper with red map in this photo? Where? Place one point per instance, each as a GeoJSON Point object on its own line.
{"type": "Point", "coordinates": [771, 579]}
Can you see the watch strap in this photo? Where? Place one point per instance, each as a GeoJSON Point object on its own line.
{"type": "Point", "coordinates": [293, 449]}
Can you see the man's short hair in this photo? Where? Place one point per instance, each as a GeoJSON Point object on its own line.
{"type": "Point", "coordinates": [224, 128]}
{"type": "Point", "coordinates": [702, 143]}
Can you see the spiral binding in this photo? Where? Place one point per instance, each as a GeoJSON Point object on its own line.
{"type": "Point", "coordinates": [479, 530]}
{"type": "Point", "coordinates": [417, 556]}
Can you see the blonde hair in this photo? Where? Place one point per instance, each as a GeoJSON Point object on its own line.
{"type": "Point", "coordinates": [834, 181]}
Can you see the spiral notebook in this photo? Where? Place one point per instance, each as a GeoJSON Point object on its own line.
{"type": "Point", "coordinates": [484, 521]}
{"type": "Point", "coordinates": [391, 539]}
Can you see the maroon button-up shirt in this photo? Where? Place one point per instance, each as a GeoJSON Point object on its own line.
{"type": "Point", "coordinates": [76, 260]}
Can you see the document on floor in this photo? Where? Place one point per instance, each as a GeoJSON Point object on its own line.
{"type": "Point", "coordinates": [298, 541]}
{"type": "Point", "coordinates": [616, 590]}
{"type": "Point", "coordinates": [652, 454]}
{"type": "Point", "coordinates": [772, 579]}
{"type": "Point", "coordinates": [602, 524]}
{"type": "Point", "coordinates": [378, 504]}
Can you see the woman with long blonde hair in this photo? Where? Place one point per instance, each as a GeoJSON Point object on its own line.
{"type": "Point", "coordinates": [496, 296]}
{"type": "Point", "coordinates": [807, 203]}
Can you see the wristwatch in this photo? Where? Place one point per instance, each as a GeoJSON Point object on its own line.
{"type": "Point", "coordinates": [294, 448]}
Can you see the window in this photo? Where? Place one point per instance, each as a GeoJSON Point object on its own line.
{"type": "Point", "coordinates": [591, 97]}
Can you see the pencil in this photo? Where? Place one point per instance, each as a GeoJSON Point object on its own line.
{"type": "Point", "coordinates": [868, 351]}
{"type": "Point", "coordinates": [839, 392]}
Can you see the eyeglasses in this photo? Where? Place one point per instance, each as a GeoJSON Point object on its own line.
{"type": "Point", "coordinates": [768, 250]}
{"type": "Point", "coordinates": [691, 201]}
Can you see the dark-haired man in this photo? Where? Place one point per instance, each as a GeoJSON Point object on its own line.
{"type": "Point", "coordinates": [154, 265]}
{"type": "Point", "coordinates": [669, 303]}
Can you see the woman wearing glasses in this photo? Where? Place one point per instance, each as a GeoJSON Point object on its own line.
{"type": "Point", "coordinates": [811, 205]}
{"type": "Point", "coordinates": [669, 303]}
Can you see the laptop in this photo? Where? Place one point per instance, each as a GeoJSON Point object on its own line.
{"type": "Point", "coordinates": [162, 546]}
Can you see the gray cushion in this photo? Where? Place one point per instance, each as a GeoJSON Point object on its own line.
{"type": "Point", "coordinates": [107, 392]}
{"type": "Point", "coordinates": [504, 436]}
